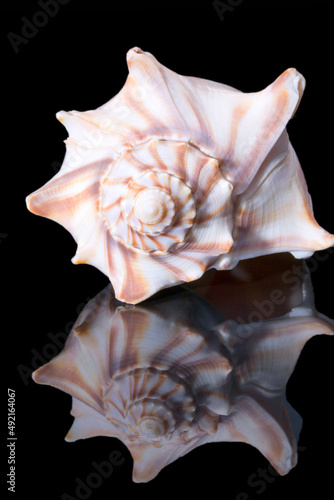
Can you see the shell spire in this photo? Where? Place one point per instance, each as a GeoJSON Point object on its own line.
{"type": "Point", "coordinates": [176, 175]}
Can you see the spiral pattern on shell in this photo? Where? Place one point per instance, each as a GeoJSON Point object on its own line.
{"type": "Point", "coordinates": [157, 196]}
{"type": "Point", "coordinates": [150, 406]}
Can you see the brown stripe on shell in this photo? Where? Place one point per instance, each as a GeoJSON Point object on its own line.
{"type": "Point", "coordinates": [186, 403]}
{"type": "Point", "coordinates": [188, 222]}
{"type": "Point", "coordinates": [105, 208]}
{"type": "Point", "coordinates": [132, 237]}
{"type": "Point", "coordinates": [86, 117]}
{"type": "Point", "coordinates": [129, 232]}
{"type": "Point", "coordinates": [179, 166]}
{"type": "Point", "coordinates": [135, 187]}
{"type": "Point", "coordinates": [134, 327]}
{"type": "Point", "coordinates": [155, 179]}
{"type": "Point", "coordinates": [113, 339]}
{"type": "Point", "coordinates": [190, 258]}
{"type": "Point", "coordinates": [187, 172]}
{"type": "Point", "coordinates": [172, 237]}
{"type": "Point", "coordinates": [153, 149]}
{"type": "Point", "coordinates": [144, 245]}
{"type": "Point", "coordinates": [201, 192]}
{"type": "Point", "coordinates": [50, 200]}
{"type": "Point", "coordinates": [135, 239]}
{"type": "Point", "coordinates": [119, 218]}
{"type": "Point", "coordinates": [270, 126]}
{"type": "Point", "coordinates": [169, 182]}
{"type": "Point", "coordinates": [136, 324]}
{"type": "Point", "coordinates": [205, 248]}
{"type": "Point", "coordinates": [134, 381]}
{"type": "Point", "coordinates": [152, 79]}
{"type": "Point", "coordinates": [157, 359]}
{"type": "Point", "coordinates": [124, 400]}
{"type": "Point", "coordinates": [111, 181]}
{"type": "Point", "coordinates": [153, 127]}
{"type": "Point", "coordinates": [146, 392]}
{"type": "Point", "coordinates": [135, 284]}
{"type": "Point", "coordinates": [159, 246]}
{"type": "Point", "coordinates": [283, 78]}
{"type": "Point", "coordinates": [74, 382]}
{"type": "Point", "coordinates": [57, 207]}
{"type": "Point", "coordinates": [206, 363]}
{"type": "Point", "coordinates": [208, 216]}
{"type": "Point", "coordinates": [203, 132]}
{"type": "Point", "coordinates": [176, 271]}
{"type": "Point", "coordinates": [141, 242]}
{"type": "Point", "coordinates": [266, 137]}
{"type": "Point", "coordinates": [90, 170]}
{"type": "Point", "coordinates": [161, 379]}
{"type": "Point", "coordinates": [144, 374]}
{"type": "Point", "coordinates": [239, 112]}
{"type": "Point", "coordinates": [119, 422]}
{"type": "Point", "coordinates": [130, 156]}
{"type": "Point", "coordinates": [197, 350]}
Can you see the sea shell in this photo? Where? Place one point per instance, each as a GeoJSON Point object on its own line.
{"type": "Point", "coordinates": [173, 374]}
{"type": "Point", "coordinates": [176, 175]}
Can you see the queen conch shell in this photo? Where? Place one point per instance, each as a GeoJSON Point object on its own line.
{"type": "Point", "coordinates": [176, 175]}
{"type": "Point", "coordinates": [174, 373]}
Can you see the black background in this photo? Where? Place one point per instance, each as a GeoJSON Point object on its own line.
{"type": "Point", "coordinates": [77, 61]}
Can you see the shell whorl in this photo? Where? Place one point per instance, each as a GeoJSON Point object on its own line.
{"type": "Point", "coordinates": [154, 206]}
{"type": "Point", "coordinates": [155, 202]}
{"type": "Point", "coordinates": [150, 405]}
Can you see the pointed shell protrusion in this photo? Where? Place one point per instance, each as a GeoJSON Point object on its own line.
{"type": "Point", "coordinates": [176, 175]}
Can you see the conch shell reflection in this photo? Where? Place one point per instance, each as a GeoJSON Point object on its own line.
{"type": "Point", "coordinates": [179, 371]}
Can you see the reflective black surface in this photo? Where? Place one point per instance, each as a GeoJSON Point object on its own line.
{"type": "Point", "coordinates": [77, 61]}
